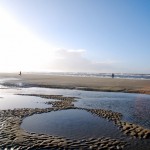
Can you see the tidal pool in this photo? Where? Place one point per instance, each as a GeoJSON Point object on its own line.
{"type": "Point", "coordinates": [79, 124]}
{"type": "Point", "coordinates": [135, 108]}
{"type": "Point", "coordinates": [71, 123]}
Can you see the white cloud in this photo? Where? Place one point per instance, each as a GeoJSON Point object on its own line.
{"type": "Point", "coordinates": [75, 60]}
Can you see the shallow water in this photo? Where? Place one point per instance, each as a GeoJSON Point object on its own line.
{"type": "Point", "coordinates": [16, 101]}
{"type": "Point", "coordinates": [135, 108]}
{"type": "Point", "coordinates": [73, 124]}
{"type": "Point", "coordinates": [10, 100]}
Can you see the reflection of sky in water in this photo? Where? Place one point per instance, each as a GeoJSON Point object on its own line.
{"type": "Point", "coordinates": [15, 101]}
{"type": "Point", "coordinates": [3, 80]}
{"type": "Point", "coordinates": [134, 107]}
{"type": "Point", "coordinates": [74, 124]}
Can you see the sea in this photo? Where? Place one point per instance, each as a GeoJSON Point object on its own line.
{"type": "Point", "coordinates": [100, 75]}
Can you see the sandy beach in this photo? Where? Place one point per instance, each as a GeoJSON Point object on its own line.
{"type": "Point", "coordinates": [128, 133]}
{"type": "Point", "coordinates": [82, 83]}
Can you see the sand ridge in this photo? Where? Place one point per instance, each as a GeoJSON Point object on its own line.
{"type": "Point", "coordinates": [12, 136]}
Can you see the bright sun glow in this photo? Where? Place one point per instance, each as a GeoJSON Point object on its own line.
{"type": "Point", "coordinates": [19, 48]}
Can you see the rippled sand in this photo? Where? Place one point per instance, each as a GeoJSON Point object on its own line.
{"type": "Point", "coordinates": [12, 136]}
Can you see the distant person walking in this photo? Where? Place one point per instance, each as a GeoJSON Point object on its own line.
{"type": "Point", "coordinates": [20, 73]}
{"type": "Point", "coordinates": [113, 75]}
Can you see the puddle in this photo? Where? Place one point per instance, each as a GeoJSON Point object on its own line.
{"type": "Point", "coordinates": [16, 101]}
{"type": "Point", "coordinates": [72, 124]}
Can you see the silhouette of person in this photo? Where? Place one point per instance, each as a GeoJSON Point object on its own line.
{"type": "Point", "coordinates": [20, 73]}
{"type": "Point", "coordinates": [113, 75]}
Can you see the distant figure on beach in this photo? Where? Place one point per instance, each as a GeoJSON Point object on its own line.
{"type": "Point", "coordinates": [20, 73]}
{"type": "Point", "coordinates": [113, 75]}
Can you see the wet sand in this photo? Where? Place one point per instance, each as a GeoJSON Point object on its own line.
{"type": "Point", "coordinates": [12, 136]}
{"type": "Point", "coordinates": [82, 83]}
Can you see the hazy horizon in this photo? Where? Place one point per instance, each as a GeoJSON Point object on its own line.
{"type": "Point", "coordinates": [75, 36]}
{"type": "Point", "coordinates": [69, 72]}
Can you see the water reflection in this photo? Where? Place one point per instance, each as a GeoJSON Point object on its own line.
{"type": "Point", "coordinates": [142, 111]}
{"type": "Point", "coordinates": [73, 124]}
{"type": "Point", "coordinates": [134, 107]}
{"type": "Point", "coordinates": [15, 101]}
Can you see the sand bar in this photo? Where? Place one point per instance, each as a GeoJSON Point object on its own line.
{"type": "Point", "coordinates": [83, 83]}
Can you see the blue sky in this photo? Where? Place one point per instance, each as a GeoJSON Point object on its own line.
{"type": "Point", "coordinates": [83, 35]}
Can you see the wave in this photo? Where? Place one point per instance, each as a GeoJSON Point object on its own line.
{"type": "Point", "coordinates": [101, 75]}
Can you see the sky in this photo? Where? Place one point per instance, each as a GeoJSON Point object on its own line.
{"type": "Point", "coordinates": [101, 36]}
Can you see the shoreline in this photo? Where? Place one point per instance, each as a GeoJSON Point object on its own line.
{"type": "Point", "coordinates": [13, 136]}
{"type": "Point", "coordinates": [79, 83]}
